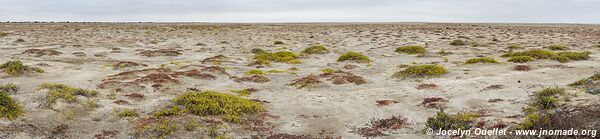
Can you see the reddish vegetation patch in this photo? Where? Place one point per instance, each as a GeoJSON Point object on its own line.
{"type": "Point", "coordinates": [522, 68]}
{"type": "Point", "coordinates": [136, 96]}
{"type": "Point", "coordinates": [381, 103]}
{"type": "Point", "coordinates": [378, 127]}
{"type": "Point", "coordinates": [161, 52]}
{"type": "Point", "coordinates": [126, 64]}
{"type": "Point", "coordinates": [255, 78]}
{"type": "Point", "coordinates": [196, 74]}
{"type": "Point", "coordinates": [426, 86]}
{"type": "Point", "coordinates": [157, 78]}
{"type": "Point", "coordinates": [121, 102]}
{"type": "Point", "coordinates": [214, 59]}
{"type": "Point", "coordinates": [288, 136]}
{"type": "Point", "coordinates": [493, 87]}
{"type": "Point", "coordinates": [498, 126]}
{"type": "Point", "coordinates": [107, 134]}
{"type": "Point", "coordinates": [340, 77]}
{"type": "Point", "coordinates": [434, 102]}
{"type": "Point", "coordinates": [41, 52]}
{"type": "Point", "coordinates": [310, 80]}
{"type": "Point", "coordinates": [495, 100]}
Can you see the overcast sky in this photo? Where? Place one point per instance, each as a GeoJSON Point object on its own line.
{"type": "Point", "coordinates": [522, 11]}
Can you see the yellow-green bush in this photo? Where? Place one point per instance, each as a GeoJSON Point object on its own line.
{"type": "Point", "coordinates": [9, 88]}
{"type": "Point", "coordinates": [174, 110]}
{"type": "Point", "coordinates": [255, 72]}
{"type": "Point", "coordinates": [354, 56]}
{"type": "Point", "coordinates": [316, 49]}
{"type": "Point", "coordinates": [230, 107]}
{"type": "Point", "coordinates": [411, 50]}
{"type": "Point", "coordinates": [265, 58]}
{"type": "Point", "coordinates": [9, 108]}
{"type": "Point", "coordinates": [521, 59]}
{"type": "Point", "coordinates": [128, 113]}
{"type": "Point", "coordinates": [16, 68]}
{"type": "Point", "coordinates": [445, 121]}
{"type": "Point", "coordinates": [427, 70]}
{"type": "Point", "coordinates": [58, 91]}
{"type": "Point", "coordinates": [545, 54]}
{"type": "Point", "coordinates": [481, 60]}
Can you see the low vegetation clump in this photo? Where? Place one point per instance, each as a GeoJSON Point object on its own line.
{"type": "Point", "coordinates": [411, 50]}
{"type": "Point", "coordinates": [230, 107]}
{"type": "Point", "coordinates": [9, 108]}
{"type": "Point", "coordinates": [128, 113]}
{"type": "Point", "coordinates": [544, 54]}
{"type": "Point", "coordinates": [540, 109]}
{"type": "Point", "coordinates": [515, 46]}
{"type": "Point", "coordinates": [521, 59]}
{"type": "Point", "coordinates": [591, 84]}
{"type": "Point", "coordinates": [557, 47]}
{"type": "Point", "coordinates": [62, 91]}
{"type": "Point", "coordinates": [427, 70]}
{"type": "Point", "coordinates": [278, 42]}
{"type": "Point", "coordinates": [445, 121]}
{"type": "Point", "coordinates": [9, 88]}
{"type": "Point", "coordinates": [174, 110]}
{"type": "Point", "coordinates": [159, 129]}
{"type": "Point", "coordinates": [355, 57]}
{"type": "Point", "coordinates": [244, 92]}
{"type": "Point", "coordinates": [262, 57]}
{"type": "Point", "coordinates": [316, 49]}
{"type": "Point", "coordinates": [308, 81]}
{"type": "Point", "coordinates": [255, 72]}
{"type": "Point", "coordinates": [16, 68]}
{"type": "Point", "coordinates": [458, 43]}
{"type": "Point", "coordinates": [378, 127]}
{"type": "Point", "coordinates": [481, 60]}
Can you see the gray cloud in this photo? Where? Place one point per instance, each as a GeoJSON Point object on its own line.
{"type": "Point", "coordinates": [554, 11]}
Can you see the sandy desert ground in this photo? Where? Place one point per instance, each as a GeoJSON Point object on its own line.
{"type": "Point", "coordinates": [142, 67]}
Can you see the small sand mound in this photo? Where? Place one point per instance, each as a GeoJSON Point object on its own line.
{"type": "Point", "coordinates": [161, 52]}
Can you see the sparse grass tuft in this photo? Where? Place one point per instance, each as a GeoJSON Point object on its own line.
{"type": "Point", "coordinates": [445, 121]}
{"type": "Point", "coordinates": [16, 68]}
{"type": "Point", "coordinates": [128, 113]}
{"type": "Point", "coordinates": [458, 43]}
{"type": "Point", "coordinates": [354, 56]}
{"type": "Point", "coordinates": [62, 91]}
{"type": "Point", "coordinates": [481, 60]}
{"type": "Point", "coordinates": [427, 70]}
{"type": "Point", "coordinates": [230, 107]}
{"type": "Point", "coordinates": [9, 88]}
{"type": "Point", "coordinates": [521, 59]}
{"type": "Point", "coordinates": [316, 49]}
{"type": "Point", "coordinates": [9, 108]}
{"type": "Point", "coordinates": [328, 71]}
{"type": "Point", "coordinates": [411, 50]}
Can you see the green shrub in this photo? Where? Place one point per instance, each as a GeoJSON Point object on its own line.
{"type": "Point", "coordinates": [354, 56]}
{"type": "Point", "coordinates": [191, 124]}
{"type": "Point", "coordinates": [411, 50]}
{"type": "Point", "coordinates": [16, 68]}
{"type": "Point", "coordinates": [174, 110]}
{"type": "Point", "coordinates": [532, 120]}
{"type": "Point", "coordinates": [160, 129]}
{"type": "Point", "coordinates": [544, 54]}
{"type": "Point", "coordinates": [265, 58]}
{"type": "Point", "coordinates": [581, 82]}
{"type": "Point", "coordinates": [57, 91]}
{"type": "Point", "coordinates": [128, 113]}
{"type": "Point", "coordinates": [557, 47]}
{"type": "Point", "coordinates": [328, 71]}
{"type": "Point", "coordinates": [427, 70]}
{"type": "Point", "coordinates": [258, 51]}
{"type": "Point", "coordinates": [231, 107]}
{"type": "Point", "coordinates": [521, 59]}
{"type": "Point", "coordinates": [9, 108]}
{"type": "Point", "coordinates": [9, 88]}
{"type": "Point", "coordinates": [447, 121]}
{"type": "Point", "coordinates": [458, 42]}
{"type": "Point", "coordinates": [481, 60]}
{"type": "Point", "coordinates": [316, 49]}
